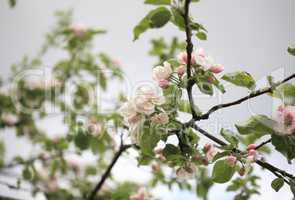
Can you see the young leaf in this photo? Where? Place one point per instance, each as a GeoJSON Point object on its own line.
{"type": "Point", "coordinates": [222, 172]}
{"type": "Point", "coordinates": [157, 2]}
{"type": "Point", "coordinates": [205, 87]}
{"type": "Point", "coordinates": [240, 78]}
{"type": "Point", "coordinates": [160, 18]}
{"type": "Point", "coordinates": [177, 19]}
{"type": "Point", "coordinates": [277, 184]}
{"type": "Point", "coordinates": [286, 93]}
{"type": "Point", "coordinates": [154, 19]}
{"type": "Point", "coordinates": [201, 36]}
{"type": "Point", "coordinates": [230, 137]}
{"type": "Point", "coordinates": [291, 50]}
{"type": "Point", "coordinates": [258, 125]}
{"type": "Point", "coordinates": [148, 140]}
{"type": "Point", "coordinates": [285, 145]}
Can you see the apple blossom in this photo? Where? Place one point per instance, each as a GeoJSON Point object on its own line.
{"type": "Point", "coordinates": [216, 69]}
{"type": "Point", "coordinates": [182, 58]}
{"type": "Point", "coordinates": [9, 119]}
{"type": "Point", "coordinates": [161, 118]}
{"type": "Point", "coordinates": [95, 128]}
{"type": "Point", "coordinates": [79, 30]}
{"type": "Point", "coordinates": [162, 72]}
{"type": "Point", "coordinates": [140, 194]}
{"type": "Point", "coordinates": [285, 120]}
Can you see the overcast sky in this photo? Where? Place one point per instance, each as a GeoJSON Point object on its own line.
{"type": "Point", "coordinates": [243, 35]}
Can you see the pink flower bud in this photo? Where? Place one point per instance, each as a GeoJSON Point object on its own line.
{"type": "Point", "coordinates": [163, 83]}
{"type": "Point", "coordinates": [251, 152]}
{"type": "Point", "coordinates": [231, 161]}
{"type": "Point", "coordinates": [251, 146]}
{"type": "Point", "coordinates": [216, 69]}
{"type": "Point", "coordinates": [182, 58]}
{"type": "Point", "coordinates": [180, 70]}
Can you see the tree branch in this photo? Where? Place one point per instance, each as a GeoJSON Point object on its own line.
{"type": "Point", "coordinates": [108, 170]}
{"type": "Point", "coordinates": [189, 50]}
{"type": "Point", "coordinates": [241, 100]}
{"type": "Point", "coordinates": [276, 171]}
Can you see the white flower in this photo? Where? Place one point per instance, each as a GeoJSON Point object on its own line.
{"type": "Point", "coordinates": [161, 118]}
{"type": "Point", "coordinates": [79, 30]}
{"type": "Point", "coordinates": [162, 72]}
{"type": "Point", "coordinates": [9, 119]}
{"type": "Point", "coordinates": [144, 105]}
{"type": "Point", "coordinates": [140, 194]}
{"type": "Point", "coordinates": [128, 111]}
{"type": "Point", "coordinates": [150, 94]}
{"type": "Point", "coordinates": [285, 120]}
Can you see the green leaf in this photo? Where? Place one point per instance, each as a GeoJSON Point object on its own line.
{"type": "Point", "coordinates": [240, 78]}
{"type": "Point", "coordinates": [157, 2]}
{"type": "Point", "coordinates": [286, 93]}
{"type": "Point", "coordinates": [172, 153]}
{"type": "Point", "coordinates": [81, 140]}
{"type": "Point", "coordinates": [259, 125]}
{"type": "Point", "coordinates": [159, 18]}
{"type": "Point", "coordinates": [291, 50]}
{"type": "Point", "coordinates": [277, 184]}
{"type": "Point", "coordinates": [201, 36]}
{"type": "Point", "coordinates": [149, 140]}
{"type": "Point", "coordinates": [12, 3]}
{"type": "Point", "coordinates": [154, 19]}
{"type": "Point", "coordinates": [285, 145]}
{"type": "Point", "coordinates": [205, 87]}
{"type": "Point", "coordinates": [177, 19]}
{"type": "Point", "coordinates": [222, 172]}
{"type": "Point", "coordinates": [230, 137]}
{"type": "Point", "coordinates": [27, 173]}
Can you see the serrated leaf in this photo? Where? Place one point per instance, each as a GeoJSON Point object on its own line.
{"type": "Point", "coordinates": [201, 35]}
{"type": "Point", "coordinates": [222, 172]}
{"type": "Point", "coordinates": [291, 50]}
{"type": "Point", "coordinates": [240, 78]}
{"type": "Point", "coordinates": [157, 2]}
{"type": "Point", "coordinates": [277, 184]}
{"type": "Point", "coordinates": [154, 19]}
{"type": "Point", "coordinates": [285, 145]}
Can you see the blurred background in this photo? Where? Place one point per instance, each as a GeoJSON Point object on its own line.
{"type": "Point", "coordinates": [247, 35]}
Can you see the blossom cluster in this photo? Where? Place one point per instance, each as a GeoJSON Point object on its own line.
{"type": "Point", "coordinates": [143, 106]}
{"type": "Point", "coordinates": [162, 73]}
{"type": "Point", "coordinates": [285, 120]}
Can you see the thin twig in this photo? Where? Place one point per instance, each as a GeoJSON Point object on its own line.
{"type": "Point", "coordinates": [262, 144]}
{"type": "Point", "coordinates": [108, 170]}
{"type": "Point", "coordinates": [278, 172]}
{"type": "Point", "coordinates": [241, 100]}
